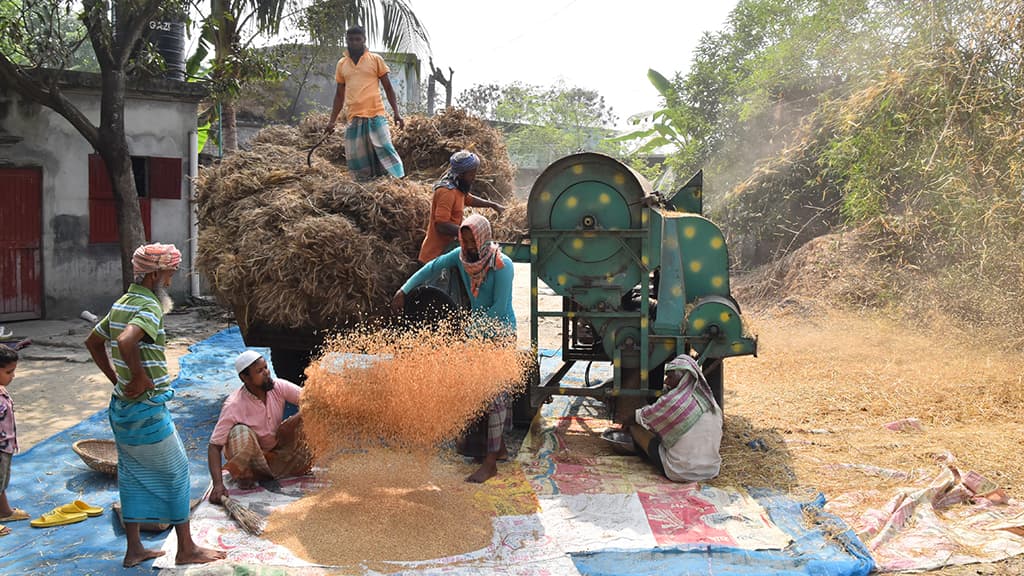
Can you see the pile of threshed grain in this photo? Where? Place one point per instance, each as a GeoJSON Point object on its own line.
{"type": "Point", "coordinates": [383, 507]}
{"type": "Point", "coordinates": [377, 407]}
{"type": "Point", "coordinates": [295, 245]}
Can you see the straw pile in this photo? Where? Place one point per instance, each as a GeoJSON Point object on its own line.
{"type": "Point", "coordinates": [426, 143]}
{"type": "Point", "coordinates": [422, 388]}
{"type": "Point", "coordinates": [294, 245]}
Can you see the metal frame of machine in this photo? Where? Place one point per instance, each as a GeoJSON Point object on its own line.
{"type": "Point", "coordinates": [636, 272]}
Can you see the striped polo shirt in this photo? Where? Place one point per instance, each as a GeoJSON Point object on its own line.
{"type": "Point", "coordinates": [139, 306]}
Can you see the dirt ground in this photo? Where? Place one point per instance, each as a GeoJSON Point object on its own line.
{"type": "Point", "coordinates": [817, 395]}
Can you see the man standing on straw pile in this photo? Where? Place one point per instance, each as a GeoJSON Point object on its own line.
{"type": "Point", "coordinates": [451, 195]}
{"type": "Point", "coordinates": [488, 274]}
{"type": "Point", "coordinates": [368, 148]}
{"type": "Point", "coordinates": [259, 445]}
{"type": "Point", "coordinates": [152, 467]}
{"type": "Point", "coordinates": [681, 433]}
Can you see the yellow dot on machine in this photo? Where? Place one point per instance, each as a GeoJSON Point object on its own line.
{"type": "Point", "coordinates": [643, 374]}
{"type": "Point", "coordinates": [717, 242]}
{"type": "Point", "coordinates": [696, 266]}
{"type": "Point", "coordinates": [717, 281]}
{"type": "Point", "coordinates": [577, 244]}
{"type": "Point", "coordinates": [545, 196]}
{"type": "Point", "coordinates": [507, 250]}
{"type": "Point", "coordinates": [534, 290]}
{"type": "Point", "coordinates": [577, 169]}
{"type": "Point", "coordinates": [689, 231]}
{"type": "Point", "coordinates": [643, 217]}
{"type": "Point", "coordinates": [533, 249]}
{"type": "Point", "coordinates": [562, 279]}
{"type": "Point", "coordinates": [669, 345]}
{"type": "Point", "coordinates": [677, 291]}
{"type": "Point", "coordinates": [737, 347]}
{"type": "Point", "coordinates": [725, 316]}
{"type": "Point", "coordinates": [604, 198]}
{"type": "Point", "coordinates": [698, 324]}
{"type": "Point", "coordinates": [643, 322]}
{"type": "Point", "coordinates": [609, 278]}
{"type": "Point", "coordinates": [617, 362]}
{"type": "Point", "coordinates": [571, 201]}
{"type": "Point", "coordinates": [620, 178]}
{"type": "Point", "coordinates": [570, 314]}
{"type": "Point", "coordinates": [644, 259]}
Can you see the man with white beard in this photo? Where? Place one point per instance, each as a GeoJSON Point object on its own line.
{"type": "Point", "coordinates": [152, 467]}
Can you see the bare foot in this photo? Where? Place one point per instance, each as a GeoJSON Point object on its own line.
{"type": "Point", "coordinates": [486, 471]}
{"type": "Point", "coordinates": [199, 555]}
{"type": "Point", "coordinates": [140, 557]}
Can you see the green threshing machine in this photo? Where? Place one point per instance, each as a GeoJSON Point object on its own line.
{"type": "Point", "coordinates": [642, 278]}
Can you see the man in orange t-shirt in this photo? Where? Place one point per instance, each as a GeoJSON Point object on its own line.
{"type": "Point", "coordinates": [368, 149]}
{"type": "Point", "coordinates": [451, 195]}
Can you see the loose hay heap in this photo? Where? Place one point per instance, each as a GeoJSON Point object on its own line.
{"type": "Point", "coordinates": [295, 246]}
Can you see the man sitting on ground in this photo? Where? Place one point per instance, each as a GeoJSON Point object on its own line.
{"type": "Point", "coordinates": [260, 445]}
{"type": "Point", "coordinates": [681, 433]}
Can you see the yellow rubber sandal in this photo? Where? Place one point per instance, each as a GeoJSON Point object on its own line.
{"type": "Point", "coordinates": [16, 514]}
{"type": "Point", "coordinates": [57, 518]}
{"type": "Point", "coordinates": [80, 506]}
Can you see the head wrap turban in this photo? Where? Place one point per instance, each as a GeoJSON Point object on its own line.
{"type": "Point", "coordinates": [463, 161]}
{"type": "Point", "coordinates": [154, 258]}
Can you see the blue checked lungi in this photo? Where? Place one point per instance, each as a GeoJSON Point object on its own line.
{"type": "Point", "coordinates": [369, 151]}
{"type": "Point", "coordinates": [152, 467]}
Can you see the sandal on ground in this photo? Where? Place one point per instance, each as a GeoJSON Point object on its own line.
{"type": "Point", "coordinates": [4, 530]}
{"type": "Point", "coordinates": [57, 518]}
{"type": "Point", "coordinates": [15, 515]}
{"type": "Point", "coordinates": [80, 506]}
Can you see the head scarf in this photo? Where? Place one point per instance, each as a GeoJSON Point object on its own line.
{"type": "Point", "coordinates": [154, 258]}
{"type": "Point", "coordinates": [490, 255]}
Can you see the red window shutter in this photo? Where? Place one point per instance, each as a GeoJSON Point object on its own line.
{"type": "Point", "coordinates": [165, 178]}
{"type": "Point", "coordinates": [99, 180]}
{"type": "Point", "coordinates": [102, 211]}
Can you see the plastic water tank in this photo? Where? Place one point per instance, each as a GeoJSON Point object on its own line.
{"type": "Point", "coordinates": [169, 40]}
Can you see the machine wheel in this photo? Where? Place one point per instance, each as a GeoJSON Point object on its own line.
{"type": "Point", "coordinates": [290, 364]}
{"type": "Point", "coordinates": [713, 374]}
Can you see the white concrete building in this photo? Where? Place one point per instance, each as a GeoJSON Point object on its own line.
{"type": "Point", "coordinates": [58, 233]}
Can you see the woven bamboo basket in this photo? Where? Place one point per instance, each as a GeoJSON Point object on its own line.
{"type": "Point", "coordinates": [100, 455]}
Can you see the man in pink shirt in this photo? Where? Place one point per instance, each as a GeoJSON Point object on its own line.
{"type": "Point", "coordinates": [252, 433]}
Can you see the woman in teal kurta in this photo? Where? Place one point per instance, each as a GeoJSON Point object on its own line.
{"type": "Point", "coordinates": [488, 274]}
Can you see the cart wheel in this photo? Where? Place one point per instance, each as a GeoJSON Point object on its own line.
{"type": "Point", "coordinates": [713, 374]}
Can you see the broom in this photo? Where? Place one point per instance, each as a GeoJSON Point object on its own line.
{"type": "Point", "coordinates": [246, 519]}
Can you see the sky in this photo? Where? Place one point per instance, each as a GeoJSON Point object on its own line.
{"type": "Point", "coordinates": [596, 44]}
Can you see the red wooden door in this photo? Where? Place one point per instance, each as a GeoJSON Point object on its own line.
{"type": "Point", "coordinates": [21, 239]}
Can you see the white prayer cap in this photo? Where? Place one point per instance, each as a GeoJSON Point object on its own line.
{"type": "Point", "coordinates": [246, 359]}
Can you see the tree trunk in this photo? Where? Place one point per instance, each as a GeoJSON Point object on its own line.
{"type": "Point", "coordinates": [114, 150]}
{"type": "Point", "coordinates": [229, 125]}
{"type": "Point", "coordinates": [431, 94]}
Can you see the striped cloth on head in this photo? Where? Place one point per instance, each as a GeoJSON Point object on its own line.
{"type": "Point", "coordinates": [490, 254]}
{"type": "Point", "coordinates": [139, 307]}
{"type": "Point", "coordinates": [154, 258]}
{"type": "Point", "coordinates": [676, 411]}
{"type": "Point", "coordinates": [368, 149]}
